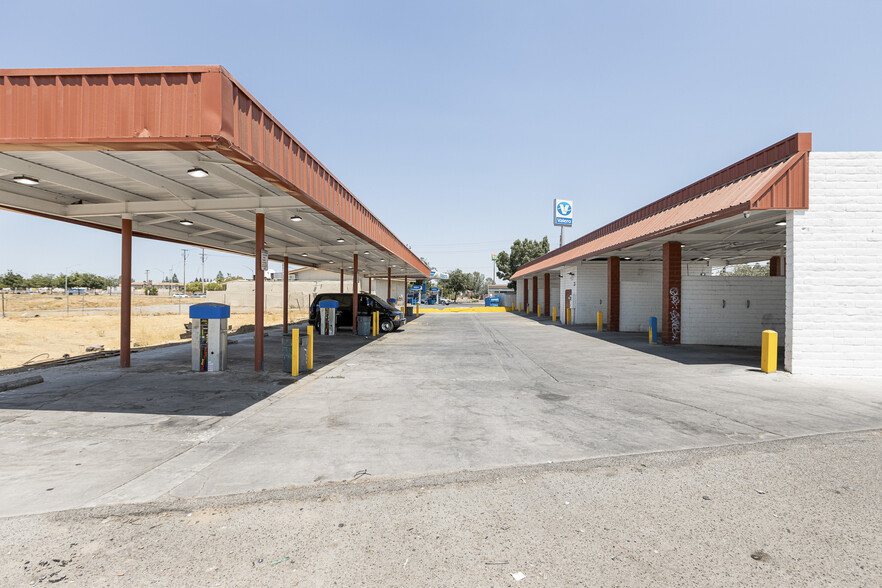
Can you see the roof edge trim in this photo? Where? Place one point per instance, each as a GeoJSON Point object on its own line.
{"type": "Point", "coordinates": [798, 143]}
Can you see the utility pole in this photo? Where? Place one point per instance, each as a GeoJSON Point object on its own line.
{"type": "Point", "coordinates": [185, 252]}
{"type": "Point", "coordinates": [66, 294]}
{"type": "Point", "coordinates": [146, 277]}
{"type": "Point", "coordinates": [203, 270]}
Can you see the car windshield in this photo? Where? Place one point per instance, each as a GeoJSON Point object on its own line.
{"type": "Point", "coordinates": [380, 301]}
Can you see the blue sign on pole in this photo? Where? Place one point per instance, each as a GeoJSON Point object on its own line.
{"type": "Point", "coordinates": [434, 289]}
{"type": "Point", "coordinates": [563, 212]}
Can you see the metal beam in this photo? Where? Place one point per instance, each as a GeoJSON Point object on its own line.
{"type": "Point", "coordinates": [176, 206]}
{"type": "Point", "coordinates": [109, 162]}
{"type": "Point", "coordinates": [61, 178]}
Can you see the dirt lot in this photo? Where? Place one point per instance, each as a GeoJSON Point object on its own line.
{"type": "Point", "coordinates": [49, 337]}
{"type": "Point", "coordinates": [29, 302]}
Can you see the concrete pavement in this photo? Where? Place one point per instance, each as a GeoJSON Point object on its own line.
{"type": "Point", "coordinates": [446, 393]}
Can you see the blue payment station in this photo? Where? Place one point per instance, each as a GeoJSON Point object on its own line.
{"type": "Point", "coordinates": [208, 330]}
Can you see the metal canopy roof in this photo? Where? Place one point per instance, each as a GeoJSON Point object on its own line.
{"type": "Point", "coordinates": [104, 143]}
{"type": "Point", "coordinates": [729, 215]}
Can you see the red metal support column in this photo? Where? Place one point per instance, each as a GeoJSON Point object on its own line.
{"type": "Point", "coordinates": [341, 280]}
{"type": "Point", "coordinates": [405, 295]}
{"type": "Point", "coordinates": [535, 292]}
{"type": "Point", "coordinates": [613, 295]}
{"type": "Point", "coordinates": [776, 268]}
{"type": "Point", "coordinates": [671, 292]}
{"type": "Point", "coordinates": [546, 304]}
{"type": "Point", "coordinates": [526, 293]}
{"type": "Point", "coordinates": [285, 295]}
{"type": "Point", "coordinates": [355, 293]}
{"type": "Point", "coordinates": [125, 290]}
{"type": "Point", "coordinates": [388, 283]}
{"type": "Point", "coordinates": [258, 291]}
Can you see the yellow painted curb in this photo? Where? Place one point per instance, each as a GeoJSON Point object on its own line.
{"type": "Point", "coordinates": [424, 310]}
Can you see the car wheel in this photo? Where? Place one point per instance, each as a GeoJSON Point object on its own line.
{"type": "Point", "coordinates": [386, 326]}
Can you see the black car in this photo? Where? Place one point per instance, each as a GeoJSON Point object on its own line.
{"type": "Point", "coordinates": [390, 317]}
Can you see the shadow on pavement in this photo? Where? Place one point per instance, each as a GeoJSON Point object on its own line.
{"type": "Point", "coordinates": [684, 354]}
{"type": "Point", "coordinates": [160, 381]}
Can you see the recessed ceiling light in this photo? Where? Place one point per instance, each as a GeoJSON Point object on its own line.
{"type": "Point", "coordinates": [367, 252]}
{"type": "Point", "coordinates": [304, 255]}
{"type": "Point", "coordinates": [340, 240]}
{"type": "Point", "coordinates": [26, 180]}
{"type": "Point", "coordinates": [781, 223]}
{"type": "Point", "coordinates": [197, 172]}
{"type": "Point", "coordinates": [186, 222]}
{"type": "Point", "coordinates": [627, 258]}
{"type": "Point", "coordinates": [382, 260]}
{"type": "Point", "coordinates": [681, 245]}
{"type": "Point", "coordinates": [705, 258]}
{"type": "Point", "coordinates": [296, 218]}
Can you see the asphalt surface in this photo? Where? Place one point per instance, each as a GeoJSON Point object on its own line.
{"type": "Point", "coordinates": [443, 450]}
{"type": "Point", "coordinates": [800, 512]}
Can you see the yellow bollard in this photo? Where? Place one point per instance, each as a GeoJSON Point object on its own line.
{"type": "Point", "coordinates": [418, 310]}
{"type": "Point", "coordinates": [599, 321]}
{"type": "Point", "coordinates": [554, 314]}
{"type": "Point", "coordinates": [769, 362]}
{"type": "Point", "coordinates": [376, 323]}
{"type": "Point", "coordinates": [538, 310]}
{"type": "Point", "coordinates": [295, 352]}
{"type": "Point", "coordinates": [568, 317]}
{"type": "Point", "coordinates": [309, 347]}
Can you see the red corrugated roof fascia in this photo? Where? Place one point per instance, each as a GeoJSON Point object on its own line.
{"type": "Point", "coordinates": [799, 143]}
{"type": "Point", "coordinates": [176, 108]}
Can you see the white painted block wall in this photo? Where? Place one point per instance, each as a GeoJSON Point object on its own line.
{"type": "Point", "coordinates": [640, 295]}
{"type": "Point", "coordinates": [706, 321]}
{"type": "Point", "coordinates": [591, 277]}
{"type": "Point", "coordinates": [567, 282]}
{"type": "Point", "coordinates": [834, 269]}
{"type": "Point", "coordinates": [555, 293]}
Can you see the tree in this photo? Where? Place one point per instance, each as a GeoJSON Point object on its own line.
{"type": "Point", "coordinates": [12, 280]}
{"type": "Point", "coordinates": [455, 284]}
{"type": "Point", "coordinates": [39, 281]}
{"type": "Point", "coordinates": [174, 278]}
{"type": "Point", "coordinates": [745, 269]}
{"type": "Point", "coordinates": [220, 277]}
{"type": "Point", "coordinates": [522, 251]}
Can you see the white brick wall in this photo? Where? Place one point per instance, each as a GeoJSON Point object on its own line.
{"type": "Point", "coordinates": [706, 321]}
{"type": "Point", "coordinates": [834, 269]}
{"type": "Point", "coordinates": [640, 295]}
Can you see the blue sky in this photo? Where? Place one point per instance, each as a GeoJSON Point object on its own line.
{"type": "Point", "coordinates": [458, 123]}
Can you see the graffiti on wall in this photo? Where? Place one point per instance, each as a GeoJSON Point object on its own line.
{"type": "Point", "coordinates": [675, 314]}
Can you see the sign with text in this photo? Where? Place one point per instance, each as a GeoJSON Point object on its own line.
{"type": "Point", "coordinates": [264, 259]}
{"type": "Point", "coordinates": [563, 213]}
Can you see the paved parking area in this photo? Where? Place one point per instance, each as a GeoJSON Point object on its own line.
{"type": "Point", "coordinates": [446, 393]}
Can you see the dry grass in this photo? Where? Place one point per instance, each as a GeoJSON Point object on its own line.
{"type": "Point", "coordinates": [21, 339]}
{"type": "Point", "coordinates": [29, 302]}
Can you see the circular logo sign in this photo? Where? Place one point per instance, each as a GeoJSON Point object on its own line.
{"type": "Point", "coordinates": [564, 208]}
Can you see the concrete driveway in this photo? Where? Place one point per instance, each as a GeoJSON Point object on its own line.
{"type": "Point", "coordinates": [448, 392]}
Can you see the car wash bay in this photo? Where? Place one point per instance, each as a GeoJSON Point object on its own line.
{"type": "Point", "coordinates": [447, 392]}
